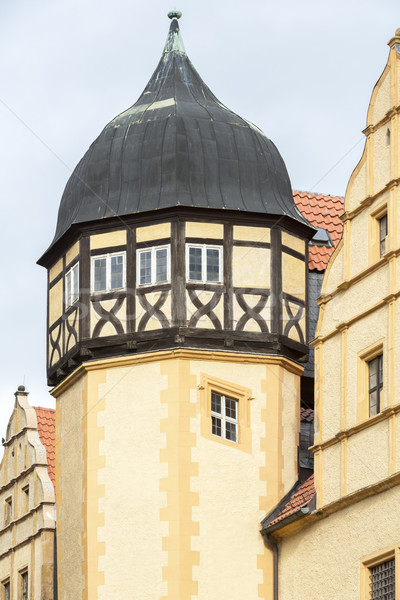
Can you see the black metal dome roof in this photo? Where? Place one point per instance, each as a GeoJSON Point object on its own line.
{"type": "Point", "coordinates": [177, 146]}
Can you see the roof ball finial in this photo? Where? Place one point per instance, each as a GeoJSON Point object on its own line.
{"type": "Point", "coordinates": [175, 14]}
{"type": "Point", "coordinates": [21, 388]}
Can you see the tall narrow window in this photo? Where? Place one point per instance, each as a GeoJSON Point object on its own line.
{"type": "Point", "coordinates": [382, 581]}
{"type": "Point", "coordinates": [108, 272]}
{"type": "Point", "coordinates": [6, 590]}
{"type": "Point", "coordinates": [388, 137]}
{"type": "Point", "coordinates": [23, 585]}
{"type": "Point", "coordinates": [72, 285]}
{"type": "Point", "coordinates": [25, 498]}
{"type": "Point", "coordinates": [375, 374]}
{"type": "Point", "coordinates": [8, 511]}
{"type": "Point", "coordinates": [383, 231]}
{"type": "Point", "coordinates": [204, 263]}
{"type": "Point", "coordinates": [224, 416]}
{"type": "Point", "coordinates": [153, 265]}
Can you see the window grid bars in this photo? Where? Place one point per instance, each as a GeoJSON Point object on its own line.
{"type": "Point", "coordinates": [108, 258]}
{"type": "Point", "coordinates": [224, 425]}
{"type": "Point", "coordinates": [382, 581]}
{"type": "Point", "coordinates": [204, 263]}
{"type": "Point", "coordinates": [153, 265]}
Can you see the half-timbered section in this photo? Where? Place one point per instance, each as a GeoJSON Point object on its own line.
{"type": "Point", "coordinates": [191, 279]}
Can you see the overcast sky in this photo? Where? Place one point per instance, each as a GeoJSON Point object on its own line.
{"type": "Point", "coordinates": [301, 71]}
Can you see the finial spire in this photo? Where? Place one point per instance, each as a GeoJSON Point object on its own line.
{"type": "Point", "coordinates": [175, 14]}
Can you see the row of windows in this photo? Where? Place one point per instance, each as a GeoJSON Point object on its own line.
{"type": "Point", "coordinates": [203, 265]}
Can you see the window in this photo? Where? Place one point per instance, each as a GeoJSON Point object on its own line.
{"type": "Point", "coordinates": [383, 231]}
{"type": "Point", "coordinates": [224, 416]}
{"type": "Point", "coordinates": [23, 585]}
{"type": "Point", "coordinates": [382, 581]}
{"type": "Point", "coordinates": [25, 498]}
{"type": "Point", "coordinates": [204, 263]}
{"type": "Point", "coordinates": [6, 590]}
{"type": "Point", "coordinates": [72, 285]}
{"type": "Point", "coordinates": [8, 511]}
{"type": "Point", "coordinates": [108, 272]}
{"type": "Point", "coordinates": [375, 384]}
{"type": "Point", "coordinates": [153, 265]}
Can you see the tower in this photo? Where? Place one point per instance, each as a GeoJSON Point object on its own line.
{"type": "Point", "coordinates": [177, 319]}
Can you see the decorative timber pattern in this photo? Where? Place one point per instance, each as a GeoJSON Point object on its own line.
{"type": "Point", "coordinates": [153, 311]}
{"type": "Point", "coordinates": [252, 312]}
{"type": "Point", "coordinates": [108, 317]}
{"type": "Point", "coordinates": [204, 309]}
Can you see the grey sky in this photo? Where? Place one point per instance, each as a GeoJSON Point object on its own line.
{"type": "Point", "coordinates": [301, 71]}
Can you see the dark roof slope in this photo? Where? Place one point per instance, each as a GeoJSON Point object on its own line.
{"type": "Point", "coordinates": [177, 146]}
{"type": "Point", "coordinates": [299, 498]}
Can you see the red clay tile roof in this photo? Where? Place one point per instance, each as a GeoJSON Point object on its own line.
{"type": "Point", "coordinates": [298, 500]}
{"type": "Point", "coordinates": [321, 211]}
{"type": "Point", "coordinates": [46, 427]}
{"type": "Point", "coordinates": [306, 414]}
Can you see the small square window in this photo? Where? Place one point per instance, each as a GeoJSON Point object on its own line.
{"type": "Point", "coordinates": [204, 263]}
{"type": "Point", "coordinates": [224, 416]}
{"type": "Point", "coordinates": [375, 384]}
{"type": "Point", "coordinates": [153, 265]}
{"type": "Point", "coordinates": [72, 285]}
{"type": "Point", "coordinates": [383, 231]}
{"type": "Point", "coordinates": [8, 511]}
{"type": "Point", "coordinates": [108, 272]}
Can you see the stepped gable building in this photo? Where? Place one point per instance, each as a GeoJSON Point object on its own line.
{"type": "Point", "coordinates": [27, 568]}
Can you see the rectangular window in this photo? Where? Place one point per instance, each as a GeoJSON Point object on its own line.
{"type": "Point", "coordinates": [382, 581]}
{"type": "Point", "coordinates": [153, 265]}
{"type": "Point", "coordinates": [224, 416]}
{"type": "Point", "coordinates": [23, 585]}
{"type": "Point", "coordinates": [383, 231]}
{"type": "Point", "coordinates": [25, 498]}
{"type": "Point", "coordinates": [8, 511]}
{"type": "Point", "coordinates": [108, 272]}
{"type": "Point", "coordinates": [204, 263]}
{"type": "Point", "coordinates": [375, 384]}
{"type": "Point", "coordinates": [6, 590]}
{"type": "Point", "coordinates": [72, 285]}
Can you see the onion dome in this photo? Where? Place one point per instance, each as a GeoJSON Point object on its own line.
{"type": "Point", "coordinates": [177, 146]}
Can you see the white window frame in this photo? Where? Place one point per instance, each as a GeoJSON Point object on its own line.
{"type": "Point", "coordinates": [153, 250]}
{"type": "Point", "coordinates": [204, 248]}
{"type": "Point", "coordinates": [73, 273]}
{"type": "Point", "coordinates": [224, 419]}
{"type": "Point", "coordinates": [108, 272]}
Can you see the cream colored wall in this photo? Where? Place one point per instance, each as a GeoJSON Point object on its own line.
{"type": "Point", "coordinates": [55, 302]}
{"type": "Point", "coordinates": [251, 267]}
{"type": "Point", "coordinates": [335, 547]}
{"type": "Point", "coordinates": [151, 471]}
{"type": "Point", "coordinates": [69, 491]}
{"type": "Point", "coordinates": [293, 276]}
{"type": "Point", "coordinates": [105, 240]}
{"type": "Point", "coordinates": [251, 234]}
{"type": "Point", "coordinates": [153, 232]}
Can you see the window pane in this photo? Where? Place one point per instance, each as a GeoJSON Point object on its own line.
{"type": "Point", "coordinates": [230, 431]}
{"type": "Point", "coordinates": [373, 403]}
{"type": "Point", "coordinates": [100, 280]}
{"type": "Point", "coordinates": [117, 273]}
{"type": "Point", "coordinates": [215, 402]}
{"type": "Point", "coordinates": [68, 288]}
{"type": "Point", "coordinates": [372, 373]}
{"type": "Point", "coordinates": [213, 266]}
{"type": "Point", "coordinates": [230, 408]}
{"type": "Point", "coordinates": [75, 283]}
{"type": "Point", "coordinates": [195, 263]}
{"type": "Point", "coordinates": [161, 264]}
{"type": "Point", "coordinates": [145, 268]}
{"type": "Point", "coordinates": [216, 426]}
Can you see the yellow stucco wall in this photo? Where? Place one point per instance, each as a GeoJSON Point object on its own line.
{"type": "Point", "coordinates": [339, 554]}
{"type": "Point", "coordinates": [150, 469]}
{"type": "Point", "coordinates": [104, 240]}
{"type": "Point", "coordinates": [251, 234]}
{"type": "Point", "coordinates": [204, 230]}
{"type": "Point", "coordinates": [251, 267]}
{"type": "Point", "coordinates": [55, 302]}
{"type": "Point", "coordinates": [153, 232]}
